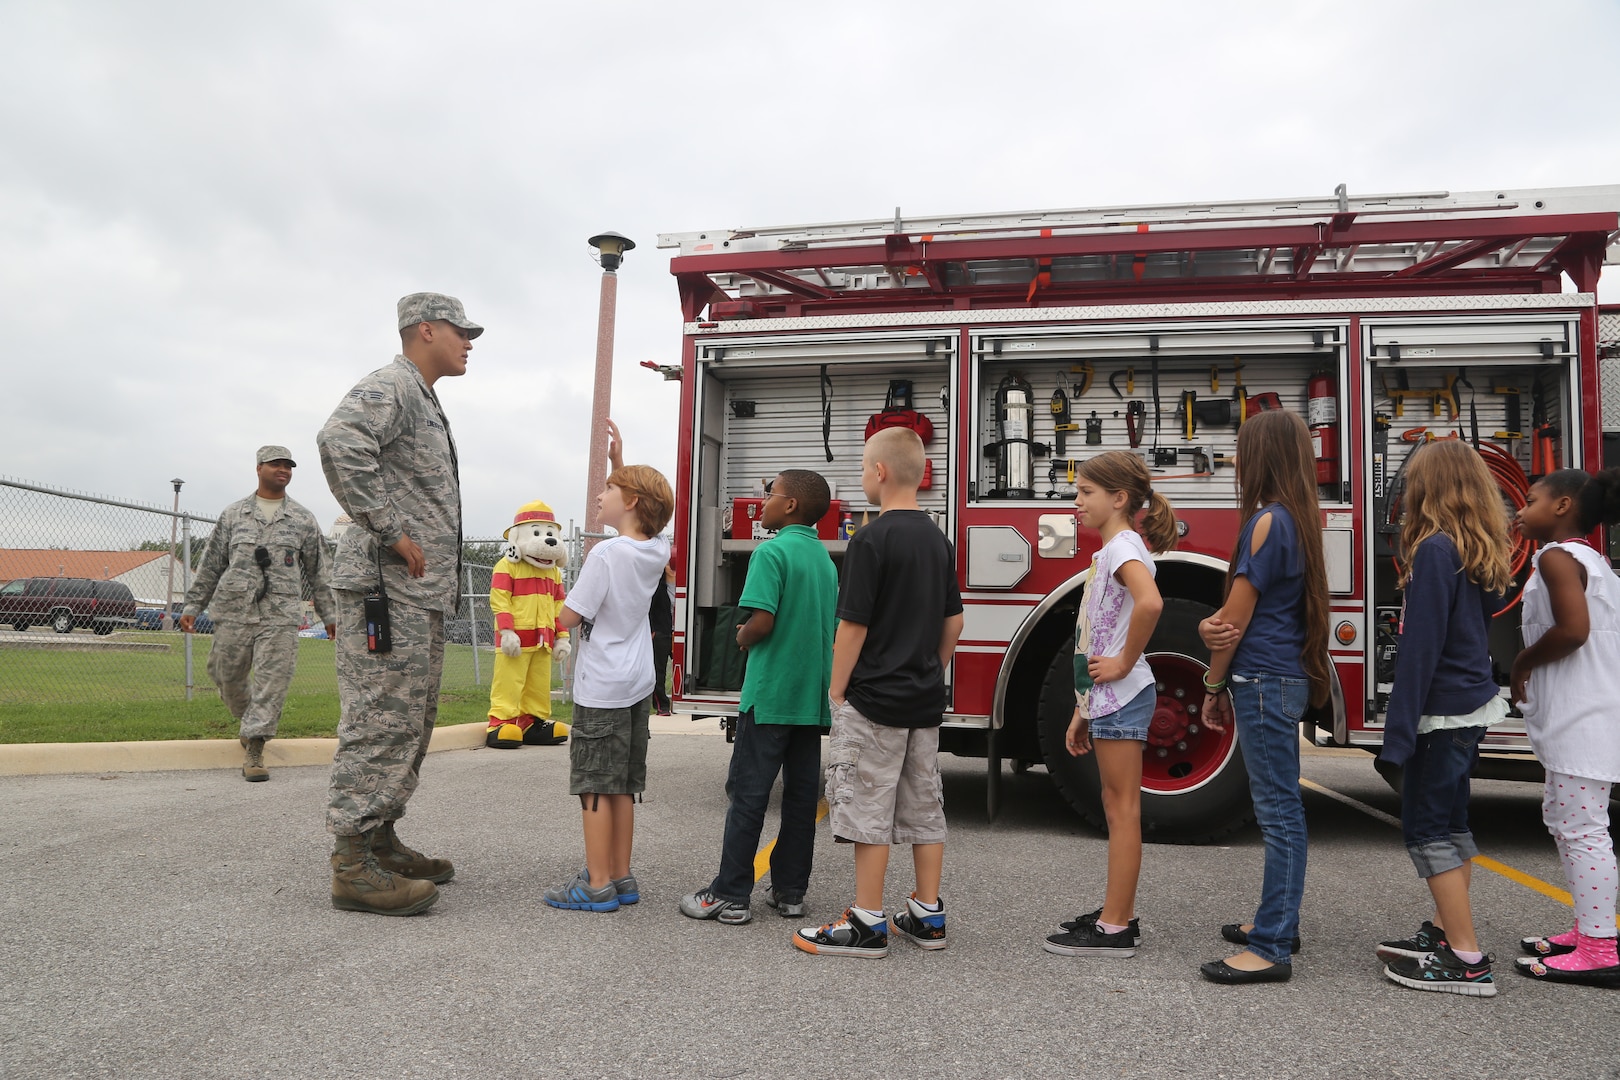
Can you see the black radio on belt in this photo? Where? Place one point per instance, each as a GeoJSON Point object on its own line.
{"type": "Point", "coordinates": [379, 635]}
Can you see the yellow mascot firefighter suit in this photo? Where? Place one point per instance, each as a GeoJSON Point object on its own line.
{"type": "Point", "coordinates": [525, 594]}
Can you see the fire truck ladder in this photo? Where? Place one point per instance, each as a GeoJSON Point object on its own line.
{"type": "Point", "coordinates": [1425, 242]}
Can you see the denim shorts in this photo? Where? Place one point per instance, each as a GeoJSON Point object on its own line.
{"type": "Point", "coordinates": [1131, 722]}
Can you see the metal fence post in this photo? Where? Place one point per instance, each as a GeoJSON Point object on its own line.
{"type": "Point", "coordinates": [472, 628]}
{"type": "Point", "coordinates": [185, 580]}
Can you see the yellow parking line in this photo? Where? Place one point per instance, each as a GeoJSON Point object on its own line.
{"type": "Point", "coordinates": [1518, 876]}
{"type": "Point", "coordinates": [1526, 880]}
{"type": "Point", "coordinates": [762, 861]}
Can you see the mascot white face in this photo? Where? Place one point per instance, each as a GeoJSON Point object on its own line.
{"type": "Point", "coordinates": [538, 543]}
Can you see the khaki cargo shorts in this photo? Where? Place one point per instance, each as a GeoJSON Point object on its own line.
{"type": "Point", "coordinates": [607, 750]}
{"type": "Point", "coordinates": [883, 784]}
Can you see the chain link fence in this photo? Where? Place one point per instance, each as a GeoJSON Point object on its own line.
{"type": "Point", "coordinates": [91, 589]}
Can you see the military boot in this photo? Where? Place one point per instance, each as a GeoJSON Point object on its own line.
{"type": "Point", "coordinates": [394, 857]}
{"type": "Point", "coordinates": [359, 884]}
{"type": "Point", "coordinates": [253, 769]}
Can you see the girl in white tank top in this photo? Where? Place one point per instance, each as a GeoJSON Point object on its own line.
{"type": "Point", "coordinates": [1566, 682]}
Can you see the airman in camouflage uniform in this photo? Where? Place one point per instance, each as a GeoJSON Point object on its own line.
{"type": "Point", "coordinates": [391, 462]}
{"type": "Point", "coordinates": [264, 552]}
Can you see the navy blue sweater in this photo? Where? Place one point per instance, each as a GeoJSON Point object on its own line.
{"type": "Point", "coordinates": [1444, 664]}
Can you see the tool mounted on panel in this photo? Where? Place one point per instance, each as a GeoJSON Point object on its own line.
{"type": "Point", "coordinates": [1086, 373]}
{"type": "Point", "coordinates": [1544, 455]}
{"type": "Point", "coordinates": [1061, 423]}
{"type": "Point", "coordinates": [1135, 420]}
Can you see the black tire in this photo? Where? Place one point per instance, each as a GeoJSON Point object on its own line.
{"type": "Point", "coordinates": [62, 622]}
{"type": "Point", "coordinates": [102, 629]}
{"type": "Point", "coordinates": [20, 625]}
{"type": "Point", "coordinates": [1201, 815]}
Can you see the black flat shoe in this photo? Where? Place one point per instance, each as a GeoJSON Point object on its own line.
{"type": "Point", "coordinates": [1536, 968]}
{"type": "Point", "coordinates": [1235, 933]}
{"type": "Point", "coordinates": [1219, 971]}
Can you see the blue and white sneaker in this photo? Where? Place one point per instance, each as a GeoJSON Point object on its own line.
{"type": "Point", "coordinates": [923, 928]}
{"type": "Point", "coordinates": [577, 895]}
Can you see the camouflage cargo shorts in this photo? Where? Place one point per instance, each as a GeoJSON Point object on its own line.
{"type": "Point", "coordinates": [607, 750]}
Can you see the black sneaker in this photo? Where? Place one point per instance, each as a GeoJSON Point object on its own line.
{"type": "Point", "coordinates": [788, 909]}
{"type": "Point", "coordinates": [848, 936]}
{"type": "Point", "coordinates": [1445, 972]}
{"type": "Point", "coordinates": [923, 928]}
{"type": "Point", "coordinates": [1428, 938]}
{"type": "Point", "coordinates": [1090, 919]}
{"type": "Point", "coordinates": [1090, 941]}
{"type": "Point", "coordinates": [703, 904]}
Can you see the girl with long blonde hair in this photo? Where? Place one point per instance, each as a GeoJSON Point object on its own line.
{"type": "Point", "coordinates": [1454, 540]}
{"type": "Point", "coordinates": [1269, 642]}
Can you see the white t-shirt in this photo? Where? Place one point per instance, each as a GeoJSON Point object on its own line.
{"type": "Point", "coordinates": [1105, 623]}
{"type": "Point", "coordinates": [613, 661]}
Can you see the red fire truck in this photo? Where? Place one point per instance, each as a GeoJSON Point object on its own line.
{"type": "Point", "coordinates": [1021, 343]}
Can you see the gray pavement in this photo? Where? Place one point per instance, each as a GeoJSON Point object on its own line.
{"type": "Point", "coordinates": [177, 925]}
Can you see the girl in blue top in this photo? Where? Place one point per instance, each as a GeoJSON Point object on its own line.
{"type": "Point", "coordinates": [1270, 640]}
{"type": "Point", "coordinates": [1455, 541]}
{"type": "Point", "coordinates": [1115, 693]}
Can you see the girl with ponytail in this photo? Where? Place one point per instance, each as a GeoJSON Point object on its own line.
{"type": "Point", "coordinates": [1270, 639]}
{"type": "Point", "coordinates": [1114, 688]}
{"type": "Point", "coordinates": [1566, 682]}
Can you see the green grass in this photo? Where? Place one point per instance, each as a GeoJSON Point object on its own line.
{"type": "Point", "coordinates": [48, 695]}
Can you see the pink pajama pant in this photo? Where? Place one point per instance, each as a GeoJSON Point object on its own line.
{"type": "Point", "coordinates": [1576, 812]}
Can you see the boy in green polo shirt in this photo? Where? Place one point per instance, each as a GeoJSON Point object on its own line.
{"type": "Point", "coordinates": [792, 589]}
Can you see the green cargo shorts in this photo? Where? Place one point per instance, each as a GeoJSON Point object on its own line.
{"type": "Point", "coordinates": [607, 750]}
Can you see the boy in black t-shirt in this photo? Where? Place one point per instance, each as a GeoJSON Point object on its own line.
{"type": "Point", "coordinates": [900, 614]}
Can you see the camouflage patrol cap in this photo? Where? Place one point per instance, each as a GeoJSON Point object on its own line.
{"type": "Point", "coordinates": [275, 453]}
{"type": "Point", "coordinates": [431, 307]}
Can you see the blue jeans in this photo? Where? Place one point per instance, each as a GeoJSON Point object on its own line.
{"type": "Point", "coordinates": [1434, 800]}
{"type": "Point", "coordinates": [758, 754]}
{"type": "Point", "coordinates": [1268, 709]}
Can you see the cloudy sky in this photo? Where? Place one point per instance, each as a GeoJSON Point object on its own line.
{"type": "Point", "coordinates": [207, 210]}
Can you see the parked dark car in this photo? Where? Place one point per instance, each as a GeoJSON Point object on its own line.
{"type": "Point", "coordinates": [63, 603]}
{"type": "Point", "coordinates": [151, 618]}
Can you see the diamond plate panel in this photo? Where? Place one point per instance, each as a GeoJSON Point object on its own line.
{"type": "Point", "coordinates": [1609, 384]}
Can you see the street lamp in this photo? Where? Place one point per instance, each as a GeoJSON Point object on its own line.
{"type": "Point", "coordinates": [610, 250]}
{"type": "Point", "coordinates": [174, 526]}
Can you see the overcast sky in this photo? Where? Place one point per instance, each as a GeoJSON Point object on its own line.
{"type": "Point", "coordinates": [208, 210]}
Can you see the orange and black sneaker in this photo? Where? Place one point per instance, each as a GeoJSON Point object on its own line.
{"type": "Point", "coordinates": [848, 936]}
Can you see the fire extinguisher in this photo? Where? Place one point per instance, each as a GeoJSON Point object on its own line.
{"type": "Point", "coordinates": [1014, 448]}
{"type": "Point", "coordinates": [1322, 417]}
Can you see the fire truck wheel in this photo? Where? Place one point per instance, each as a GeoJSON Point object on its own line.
{"type": "Point", "coordinates": [1195, 789]}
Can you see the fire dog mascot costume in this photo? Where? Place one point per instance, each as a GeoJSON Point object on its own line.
{"type": "Point", "coordinates": [525, 594]}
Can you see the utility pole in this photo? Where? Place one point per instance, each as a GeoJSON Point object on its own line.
{"type": "Point", "coordinates": [610, 248]}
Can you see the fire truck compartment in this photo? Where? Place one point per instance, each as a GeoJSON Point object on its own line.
{"type": "Point", "coordinates": [1047, 398]}
{"type": "Point", "coordinates": [1504, 384]}
{"type": "Point", "coordinates": [795, 403]}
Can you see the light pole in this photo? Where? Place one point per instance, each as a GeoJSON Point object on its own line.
{"type": "Point", "coordinates": [174, 527]}
{"type": "Point", "coordinates": [610, 249]}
